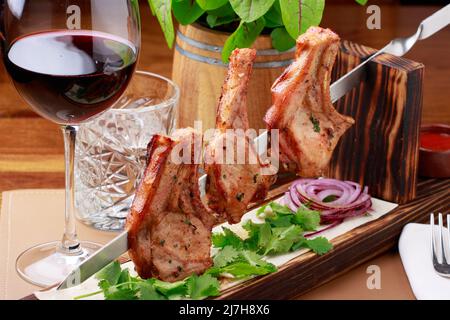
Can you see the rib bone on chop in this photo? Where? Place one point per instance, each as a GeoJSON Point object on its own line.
{"type": "Point", "coordinates": [169, 228]}
{"type": "Point", "coordinates": [309, 125]}
{"type": "Point", "coordinates": [232, 186]}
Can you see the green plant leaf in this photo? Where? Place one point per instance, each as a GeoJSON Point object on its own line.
{"type": "Point", "coordinates": [223, 11]}
{"type": "Point", "coordinates": [148, 291]}
{"type": "Point", "coordinates": [273, 16]}
{"type": "Point", "coordinates": [186, 11]}
{"type": "Point", "coordinates": [281, 39]}
{"type": "Point", "coordinates": [251, 243]}
{"type": "Point", "coordinates": [215, 21]}
{"type": "Point", "coordinates": [280, 209]}
{"type": "Point", "coordinates": [255, 259]}
{"type": "Point", "coordinates": [311, 11]}
{"type": "Point", "coordinates": [172, 290]}
{"type": "Point", "coordinates": [298, 17]}
{"type": "Point", "coordinates": [150, 3]}
{"type": "Point", "coordinates": [163, 11]}
{"type": "Point", "coordinates": [225, 256]}
{"type": "Point", "coordinates": [280, 220]}
{"type": "Point", "coordinates": [211, 4]}
{"type": "Point", "coordinates": [309, 220]}
{"type": "Point", "coordinates": [361, 2]}
{"type": "Point", "coordinates": [244, 36]}
{"type": "Point", "coordinates": [111, 273]}
{"type": "Point", "coordinates": [199, 287]}
{"type": "Point", "coordinates": [251, 10]}
{"type": "Point", "coordinates": [243, 269]}
{"type": "Point", "coordinates": [283, 239]}
{"type": "Point", "coordinates": [265, 233]}
{"type": "Point", "coordinates": [226, 238]}
{"type": "Point", "coordinates": [259, 235]}
{"type": "Point", "coordinates": [329, 198]}
{"type": "Point", "coordinates": [114, 293]}
{"type": "Point", "coordinates": [126, 281]}
{"type": "Point", "coordinates": [290, 13]}
{"type": "Point", "coordinates": [319, 245]}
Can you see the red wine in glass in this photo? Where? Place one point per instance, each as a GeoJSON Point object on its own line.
{"type": "Point", "coordinates": [70, 76]}
{"type": "Point", "coordinates": [70, 61]}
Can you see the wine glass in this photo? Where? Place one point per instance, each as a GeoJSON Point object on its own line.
{"type": "Point", "coordinates": [70, 60]}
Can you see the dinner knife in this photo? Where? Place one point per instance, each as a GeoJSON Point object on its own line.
{"type": "Point", "coordinates": [338, 89]}
{"type": "Point", "coordinates": [97, 261]}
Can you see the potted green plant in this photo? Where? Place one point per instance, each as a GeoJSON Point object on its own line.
{"type": "Point", "coordinates": [211, 29]}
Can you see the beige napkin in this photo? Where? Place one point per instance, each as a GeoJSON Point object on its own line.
{"type": "Point", "coordinates": [28, 218]}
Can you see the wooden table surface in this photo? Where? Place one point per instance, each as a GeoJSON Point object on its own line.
{"type": "Point", "coordinates": [31, 149]}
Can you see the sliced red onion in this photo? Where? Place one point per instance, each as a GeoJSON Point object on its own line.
{"type": "Point", "coordinates": [328, 227]}
{"type": "Point", "coordinates": [351, 200]}
{"type": "Point", "coordinates": [294, 197]}
{"type": "Point", "coordinates": [330, 192]}
{"type": "Point", "coordinates": [287, 200]}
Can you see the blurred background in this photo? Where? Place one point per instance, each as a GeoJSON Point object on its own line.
{"type": "Point", "coordinates": [398, 18]}
{"type": "Point", "coordinates": [26, 136]}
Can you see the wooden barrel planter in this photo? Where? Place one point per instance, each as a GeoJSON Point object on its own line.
{"type": "Point", "coordinates": [200, 73]}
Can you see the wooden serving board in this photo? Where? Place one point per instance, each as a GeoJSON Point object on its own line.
{"type": "Point", "coordinates": [351, 249]}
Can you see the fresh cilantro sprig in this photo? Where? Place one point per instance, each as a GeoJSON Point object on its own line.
{"type": "Point", "coordinates": [284, 20]}
{"type": "Point", "coordinates": [281, 232]}
{"type": "Point", "coordinates": [240, 263]}
{"type": "Point", "coordinates": [118, 284]}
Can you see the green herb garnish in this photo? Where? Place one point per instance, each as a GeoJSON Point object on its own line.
{"type": "Point", "coordinates": [316, 123]}
{"type": "Point", "coordinates": [330, 198]}
{"type": "Point", "coordinates": [281, 232]}
{"type": "Point", "coordinates": [117, 284]}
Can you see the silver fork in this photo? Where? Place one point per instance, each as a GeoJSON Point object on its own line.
{"type": "Point", "coordinates": [440, 247]}
{"type": "Point", "coordinates": [398, 47]}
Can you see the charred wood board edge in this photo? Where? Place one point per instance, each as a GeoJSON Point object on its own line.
{"type": "Point", "coordinates": [381, 150]}
{"type": "Point", "coordinates": [351, 249]}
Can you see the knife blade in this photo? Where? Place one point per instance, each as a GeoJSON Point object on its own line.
{"type": "Point", "coordinates": [100, 259]}
{"type": "Point", "coordinates": [338, 89]}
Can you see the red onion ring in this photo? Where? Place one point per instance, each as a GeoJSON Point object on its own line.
{"type": "Point", "coordinates": [351, 200]}
{"type": "Point", "coordinates": [332, 225]}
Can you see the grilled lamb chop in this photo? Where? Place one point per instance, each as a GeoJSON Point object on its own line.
{"type": "Point", "coordinates": [231, 187]}
{"type": "Point", "coordinates": [169, 228]}
{"type": "Point", "coordinates": [309, 125]}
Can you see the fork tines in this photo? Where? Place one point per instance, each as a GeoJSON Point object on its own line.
{"type": "Point", "coordinates": [440, 245]}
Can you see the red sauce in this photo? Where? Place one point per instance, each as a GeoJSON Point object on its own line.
{"type": "Point", "coordinates": [435, 141]}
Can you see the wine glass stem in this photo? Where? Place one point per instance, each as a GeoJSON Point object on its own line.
{"type": "Point", "coordinates": [70, 243]}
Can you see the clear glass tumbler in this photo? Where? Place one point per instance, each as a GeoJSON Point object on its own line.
{"type": "Point", "coordinates": [111, 150]}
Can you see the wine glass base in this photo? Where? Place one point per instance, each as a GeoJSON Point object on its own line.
{"type": "Point", "coordinates": [44, 265]}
